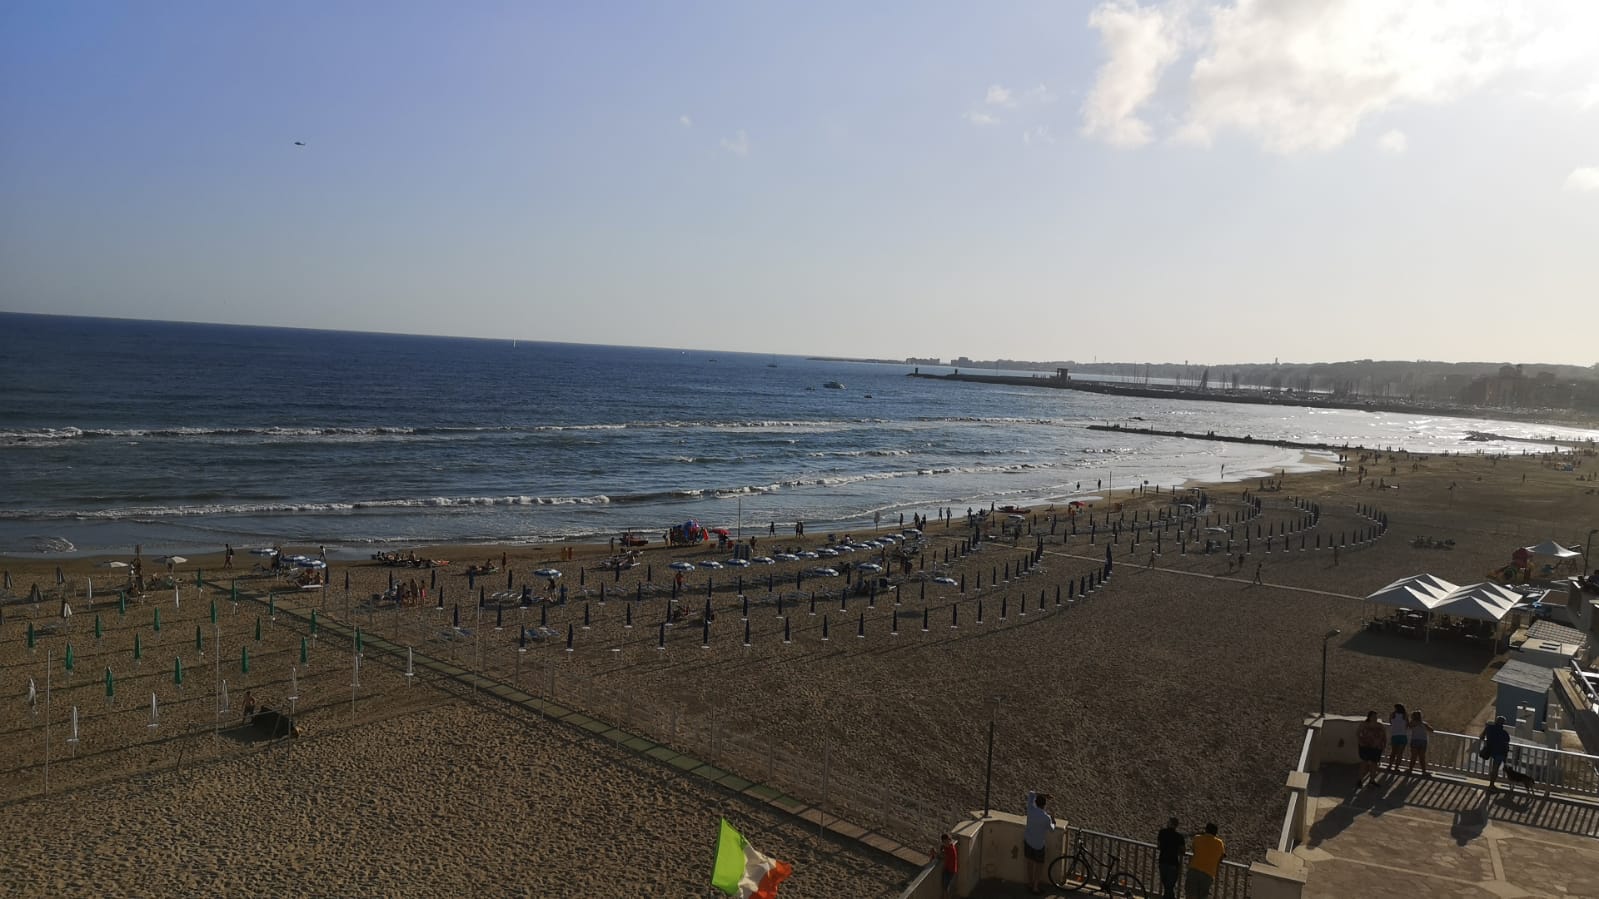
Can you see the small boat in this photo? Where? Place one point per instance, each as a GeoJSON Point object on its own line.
{"type": "Point", "coordinates": [833, 385]}
{"type": "Point", "coordinates": [1014, 510]}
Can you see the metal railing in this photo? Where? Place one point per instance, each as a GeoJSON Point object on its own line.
{"type": "Point", "coordinates": [1557, 769]}
{"type": "Point", "coordinates": [1142, 860]}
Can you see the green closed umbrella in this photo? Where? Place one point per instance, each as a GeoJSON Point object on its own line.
{"type": "Point", "coordinates": [177, 671]}
{"type": "Point", "coordinates": [68, 660]}
{"type": "Point", "coordinates": [199, 640]}
{"type": "Point", "coordinates": [272, 606]}
{"type": "Point", "coordinates": [110, 685]}
{"type": "Point", "coordinates": [258, 628]}
{"type": "Point", "coordinates": [313, 622]}
{"type": "Point", "coordinates": [304, 651]}
{"type": "Point", "coordinates": [213, 611]}
{"type": "Point", "coordinates": [197, 573]}
{"type": "Point", "coordinates": [98, 630]}
{"type": "Point", "coordinates": [122, 602]}
{"type": "Point", "coordinates": [30, 635]}
{"type": "Point", "coordinates": [138, 648]}
{"type": "Point", "coordinates": [244, 659]}
{"type": "Point", "coordinates": [235, 592]}
{"type": "Point", "coordinates": [158, 621]}
{"type": "Point", "coordinates": [357, 639]}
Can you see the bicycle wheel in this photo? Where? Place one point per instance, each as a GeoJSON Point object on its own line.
{"type": "Point", "coordinates": [1123, 884]}
{"type": "Point", "coordinates": [1069, 873]}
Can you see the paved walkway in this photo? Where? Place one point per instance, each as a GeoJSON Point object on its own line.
{"type": "Point", "coordinates": [639, 745]}
{"type": "Point", "coordinates": [1128, 565]}
{"type": "Point", "coordinates": [1444, 837]}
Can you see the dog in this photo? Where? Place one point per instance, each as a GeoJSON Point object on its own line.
{"type": "Point", "coordinates": [1523, 779]}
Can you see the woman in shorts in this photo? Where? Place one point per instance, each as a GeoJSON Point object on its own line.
{"type": "Point", "coordinates": [1420, 731]}
{"type": "Point", "coordinates": [1369, 738]}
{"type": "Point", "coordinates": [1398, 736]}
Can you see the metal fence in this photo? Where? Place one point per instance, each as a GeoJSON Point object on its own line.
{"type": "Point", "coordinates": [1142, 860]}
{"type": "Point", "coordinates": [1561, 771]}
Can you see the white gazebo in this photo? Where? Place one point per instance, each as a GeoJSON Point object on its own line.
{"type": "Point", "coordinates": [1479, 602]}
{"type": "Point", "coordinates": [1551, 548]}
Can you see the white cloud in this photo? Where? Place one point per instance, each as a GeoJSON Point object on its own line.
{"type": "Point", "coordinates": [1393, 141]}
{"type": "Point", "coordinates": [1038, 135]}
{"type": "Point", "coordinates": [739, 145]}
{"type": "Point", "coordinates": [980, 118]}
{"type": "Point", "coordinates": [1142, 42]}
{"type": "Point", "coordinates": [1583, 179]}
{"type": "Point", "coordinates": [998, 96]}
{"type": "Point", "coordinates": [1304, 75]}
{"type": "Point", "coordinates": [685, 121]}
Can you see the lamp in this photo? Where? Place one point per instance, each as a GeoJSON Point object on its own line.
{"type": "Point", "coordinates": [1324, 641]}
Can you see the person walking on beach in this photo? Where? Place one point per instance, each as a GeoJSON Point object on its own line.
{"type": "Point", "coordinates": [1496, 748]}
{"type": "Point", "coordinates": [1398, 736]}
{"type": "Point", "coordinates": [227, 555]}
{"type": "Point", "coordinates": [1369, 738]}
{"type": "Point", "coordinates": [1257, 572]}
{"type": "Point", "coordinates": [1034, 836]}
{"type": "Point", "coordinates": [1420, 733]}
{"type": "Point", "coordinates": [949, 855]}
{"type": "Point", "coordinates": [1206, 863]}
{"type": "Point", "coordinates": [1171, 846]}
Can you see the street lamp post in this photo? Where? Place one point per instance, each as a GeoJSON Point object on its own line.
{"type": "Point", "coordinates": [994, 703]}
{"type": "Point", "coordinates": [1587, 546]}
{"type": "Point", "coordinates": [1324, 641]}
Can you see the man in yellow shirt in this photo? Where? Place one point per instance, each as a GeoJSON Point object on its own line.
{"type": "Point", "coordinates": [1205, 863]}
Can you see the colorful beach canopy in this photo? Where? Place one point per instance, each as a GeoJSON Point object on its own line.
{"type": "Point", "coordinates": [743, 871]}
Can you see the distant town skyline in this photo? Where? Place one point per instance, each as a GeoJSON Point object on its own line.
{"type": "Point", "coordinates": [1321, 181]}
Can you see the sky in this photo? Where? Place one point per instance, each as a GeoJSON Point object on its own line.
{"type": "Point", "coordinates": [1314, 180]}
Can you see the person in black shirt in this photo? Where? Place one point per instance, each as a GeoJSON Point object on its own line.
{"type": "Point", "coordinates": [1171, 846]}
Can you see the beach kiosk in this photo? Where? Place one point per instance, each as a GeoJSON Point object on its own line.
{"type": "Point", "coordinates": [1523, 684]}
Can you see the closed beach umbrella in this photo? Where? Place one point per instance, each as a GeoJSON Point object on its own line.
{"type": "Point", "coordinates": [305, 651]}
{"type": "Point", "coordinates": [69, 659]}
{"type": "Point", "coordinates": [358, 641]}
{"type": "Point", "coordinates": [157, 622]}
{"type": "Point", "coordinates": [177, 671]}
{"type": "Point", "coordinates": [98, 632]}
{"type": "Point", "coordinates": [244, 660]}
{"type": "Point", "coordinates": [199, 640]}
{"type": "Point", "coordinates": [138, 648]}
{"type": "Point", "coordinates": [30, 635]}
{"type": "Point", "coordinates": [110, 686]}
{"type": "Point", "coordinates": [258, 628]}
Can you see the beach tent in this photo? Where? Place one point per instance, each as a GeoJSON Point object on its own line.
{"type": "Point", "coordinates": [1480, 602]}
{"type": "Point", "coordinates": [1551, 548]}
{"type": "Point", "coordinates": [1418, 593]}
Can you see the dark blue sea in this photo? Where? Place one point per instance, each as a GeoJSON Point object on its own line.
{"type": "Point", "coordinates": [183, 436]}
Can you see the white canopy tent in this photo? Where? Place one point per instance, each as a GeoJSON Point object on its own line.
{"type": "Point", "coordinates": [1480, 602]}
{"type": "Point", "coordinates": [1417, 593]}
{"type": "Point", "coordinates": [1551, 548]}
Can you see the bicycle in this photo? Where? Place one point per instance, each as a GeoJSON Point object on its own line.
{"type": "Point", "coordinates": [1073, 872]}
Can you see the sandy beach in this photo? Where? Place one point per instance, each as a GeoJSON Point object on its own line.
{"type": "Point", "coordinates": [1175, 689]}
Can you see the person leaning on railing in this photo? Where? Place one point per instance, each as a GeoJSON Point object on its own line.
{"type": "Point", "coordinates": [1205, 864]}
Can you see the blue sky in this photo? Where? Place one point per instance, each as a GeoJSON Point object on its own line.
{"type": "Point", "coordinates": [1327, 179]}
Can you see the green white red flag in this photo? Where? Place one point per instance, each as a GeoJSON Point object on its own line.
{"type": "Point", "coordinates": [742, 871]}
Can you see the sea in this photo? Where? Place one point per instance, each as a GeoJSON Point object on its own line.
{"type": "Point", "coordinates": [181, 437]}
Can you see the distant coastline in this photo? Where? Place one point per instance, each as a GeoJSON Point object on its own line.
{"type": "Point", "coordinates": [1265, 398]}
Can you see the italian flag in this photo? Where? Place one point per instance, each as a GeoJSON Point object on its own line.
{"type": "Point", "coordinates": [743, 871]}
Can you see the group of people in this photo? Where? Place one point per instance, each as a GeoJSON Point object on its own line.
{"type": "Point", "coordinates": [1405, 737]}
{"type": "Point", "coordinates": [1204, 864]}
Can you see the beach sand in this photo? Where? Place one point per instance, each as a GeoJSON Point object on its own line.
{"type": "Point", "coordinates": [1174, 690]}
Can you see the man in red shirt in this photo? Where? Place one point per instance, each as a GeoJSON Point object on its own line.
{"type": "Point", "coordinates": [950, 853]}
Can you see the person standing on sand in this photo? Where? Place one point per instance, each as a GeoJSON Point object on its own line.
{"type": "Point", "coordinates": [1034, 837]}
{"type": "Point", "coordinates": [1171, 845]}
{"type": "Point", "coordinates": [1257, 572]}
{"type": "Point", "coordinates": [1398, 736]}
{"type": "Point", "coordinates": [1369, 739]}
{"type": "Point", "coordinates": [227, 555]}
{"type": "Point", "coordinates": [1206, 863]}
